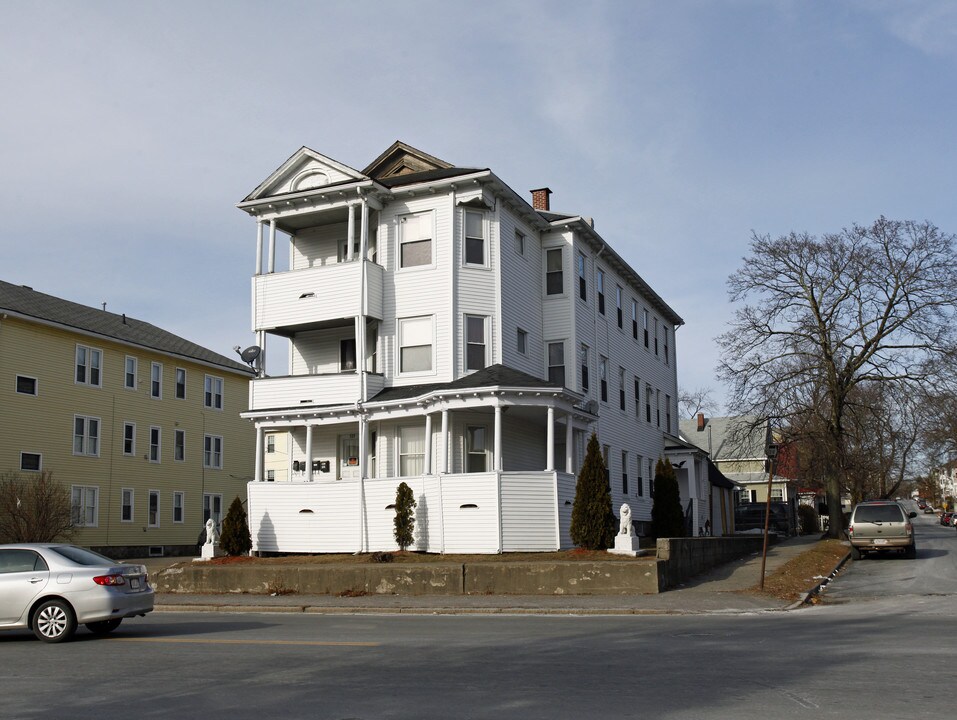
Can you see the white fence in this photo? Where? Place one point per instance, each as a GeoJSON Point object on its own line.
{"type": "Point", "coordinates": [469, 513]}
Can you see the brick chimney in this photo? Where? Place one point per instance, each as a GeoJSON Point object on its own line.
{"type": "Point", "coordinates": [700, 422]}
{"type": "Point", "coordinates": [540, 199]}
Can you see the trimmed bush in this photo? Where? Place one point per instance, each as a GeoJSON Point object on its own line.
{"type": "Point", "coordinates": [235, 538]}
{"type": "Point", "coordinates": [593, 521]}
{"type": "Point", "coordinates": [404, 517]}
{"type": "Point", "coordinates": [667, 518]}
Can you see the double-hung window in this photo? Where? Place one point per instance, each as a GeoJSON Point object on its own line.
{"type": "Point", "coordinates": [600, 289]}
{"type": "Point", "coordinates": [556, 363]}
{"type": "Point", "coordinates": [554, 272]}
{"type": "Point", "coordinates": [86, 435]}
{"type": "Point", "coordinates": [85, 505]}
{"type": "Point", "coordinates": [213, 452]}
{"type": "Point", "coordinates": [156, 380]}
{"type": "Point", "coordinates": [415, 240]}
{"type": "Point", "coordinates": [213, 392]}
{"type": "Point", "coordinates": [88, 363]}
{"type": "Point", "coordinates": [475, 343]}
{"type": "Point", "coordinates": [415, 344]}
{"type": "Point", "coordinates": [475, 238]}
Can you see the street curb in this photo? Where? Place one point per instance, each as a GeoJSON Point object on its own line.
{"type": "Point", "coordinates": [820, 586]}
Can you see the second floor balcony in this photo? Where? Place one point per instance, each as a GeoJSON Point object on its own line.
{"type": "Point", "coordinates": [298, 299]}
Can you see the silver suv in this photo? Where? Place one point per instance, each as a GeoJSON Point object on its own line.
{"type": "Point", "coordinates": [878, 525]}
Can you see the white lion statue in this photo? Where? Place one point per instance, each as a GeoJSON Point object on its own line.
{"type": "Point", "coordinates": [625, 527]}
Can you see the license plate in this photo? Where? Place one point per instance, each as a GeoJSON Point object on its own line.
{"type": "Point", "coordinates": [134, 583]}
{"type": "Point", "coordinates": [880, 541]}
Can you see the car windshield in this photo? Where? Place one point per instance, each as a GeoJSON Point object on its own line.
{"type": "Point", "coordinates": [82, 556]}
{"type": "Point", "coordinates": [878, 513]}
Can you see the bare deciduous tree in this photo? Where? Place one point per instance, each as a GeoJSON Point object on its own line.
{"type": "Point", "coordinates": [866, 306]}
{"type": "Point", "coordinates": [34, 509]}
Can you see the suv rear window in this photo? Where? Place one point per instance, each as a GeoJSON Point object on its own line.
{"type": "Point", "coordinates": [879, 513]}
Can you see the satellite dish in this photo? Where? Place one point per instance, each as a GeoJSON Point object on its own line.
{"type": "Point", "coordinates": [250, 354]}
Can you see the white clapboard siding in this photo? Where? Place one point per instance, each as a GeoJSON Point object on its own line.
{"type": "Point", "coordinates": [528, 512]}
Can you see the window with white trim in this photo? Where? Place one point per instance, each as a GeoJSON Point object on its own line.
{"type": "Point", "coordinates": [476, 354]}
{"type": "Point", "coordinates": [26, 385]}
{"type": "Point", "coordinates": [86, 435]}
{"type": "Point", "coordinates": [213, 452]}
{"type": "Point", "coordinates": [129, 376]}
{"type": "Point", "coordinates": [178, 500]}
{"type": "Point", "coordinates": [179, 392]}
{"type": "Point", "coordinates": [88, 364]}
{"type": "Point", "coordinates": [411, 451]}
{"type": "Point", "coordinates": [156, 436]}
{"type": "Point", "coordinates": [415, 344]}
{"type": "Point", "coordinates": [156, 380]}
{"type": "Point", "coordinates": [213, 392]}
{"type": "Point", "coordinates": [475, 245]}
{"type": "Point", "coordinates": [129, 438]}
{"type": "Point", "coordinates": [84, 502]}
{"type": "Point", "coordinates": [126, 505]}
{"type": "Point", "coordinates": [179, 445]}
{"type": "Point", "coordinates": [31, 462]}
{"type": "Point", "coordinates": [415, 240]}
{"type": "Point", "coordinates": [153, 509]}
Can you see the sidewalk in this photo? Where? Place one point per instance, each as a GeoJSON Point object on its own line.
{"type": "Point", "coordinates": [718, 591]}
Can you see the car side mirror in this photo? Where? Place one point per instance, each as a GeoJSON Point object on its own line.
{"type": "Point", "coordinates": [912, 514]}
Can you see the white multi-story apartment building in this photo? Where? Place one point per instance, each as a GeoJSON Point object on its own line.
{"type": "Point", "coordinates": [444, 332]}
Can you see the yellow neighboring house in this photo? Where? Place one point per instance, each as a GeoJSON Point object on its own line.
{"type": "Point", "coordinates": [143, 426]}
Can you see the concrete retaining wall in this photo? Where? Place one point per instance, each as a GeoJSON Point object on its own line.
{"type": "Point", "coordinates": [678, 560]}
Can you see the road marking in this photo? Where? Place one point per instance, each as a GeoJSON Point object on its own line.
{"type": "Point", "coordinates": [213, 641]}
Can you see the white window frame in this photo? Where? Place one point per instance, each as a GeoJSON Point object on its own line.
{"type": "Point", "coordinates": [82, 509]}
{"type": "Point", "coordinates": [157, 520]}
{"type": "Point", "coordinates": [157, 456]}
{"type": "Point", "coordinates": [466, 237]}
{"type": "Point", "coordinates": [131, 505]}
{"type": "Point", "coordinates": [88, 365]}
{"type": "Point", "coordinates": [181, 496]}
{"type": "Point", "coordinates": [179, 446]}
{"type": "Point", "coordinates": [16, 385]}
{"type": "Point", "coordinates": [401, 324]}
{"type": "Point", "coordinates": [156, 380]}
{"type": "Point", "coordinates": [131, 439]}
{"type": "Point", "coordinates": [214, 388]}
{"type": "Point", "coordinates": [39, 456]}
{"type": "Point", "coordinates": [467, 343]}
{"type": "Point", "coordinates": [213, 452]}
{"type": "Point", "coordinates": [404, 228]}
{"type": "Point", "coordinates": [87, 437]}
{"type": "Point", "coordinates": [130, 368]}
{"type": "Point", "coordinates": [177, 385]}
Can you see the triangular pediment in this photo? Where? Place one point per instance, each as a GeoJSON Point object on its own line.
{"type": "Point", "coordinates": [402, 159]}
{"type": "Point", "coordinates": [305, 170]}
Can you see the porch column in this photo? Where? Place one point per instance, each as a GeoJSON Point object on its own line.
{"type": "Point", "coordinates": [308, 453]}
{"type": "Point", "coordinates": [444, 449]}
{"type": "Point", "coordinates": [258, 462]}
{"type": "Point", "coordinates": [550, 441]}
{"type": "Point", "coordinates": [569, 444]}
{"type": "Point", "coordinates": [351, 232]}
{"type": "Point", "coordinates": [272, 245]}
{"type": "Point", "coordinates": [427, 460]}
{"type": "Point", "coordinates": [259, 247]}
{"type": "Point", "coordinates": [497, 457]}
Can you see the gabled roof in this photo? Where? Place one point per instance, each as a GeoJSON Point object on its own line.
{"type": "Point", "coordinates": [492, 376]}
{"type": "Point", "coordinates": [727, 438]}
{"type": "Point", "coordinates": [28, 303]}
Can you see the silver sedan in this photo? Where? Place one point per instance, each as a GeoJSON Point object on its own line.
{"type": "Point", "coordinates": [50, 588]}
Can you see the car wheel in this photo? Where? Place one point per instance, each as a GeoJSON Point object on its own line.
{"type": "Point", "coordinates": [910, 552]}
{"type": "Point", "coordinates": [104, 626]}
{"type": "Point", "coordinates": [856, 553]}
{"type": "Point", "coordinates": [54, 621]}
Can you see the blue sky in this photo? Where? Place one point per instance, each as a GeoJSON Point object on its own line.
{"type": "Point", "coordinates": [129, 131]}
